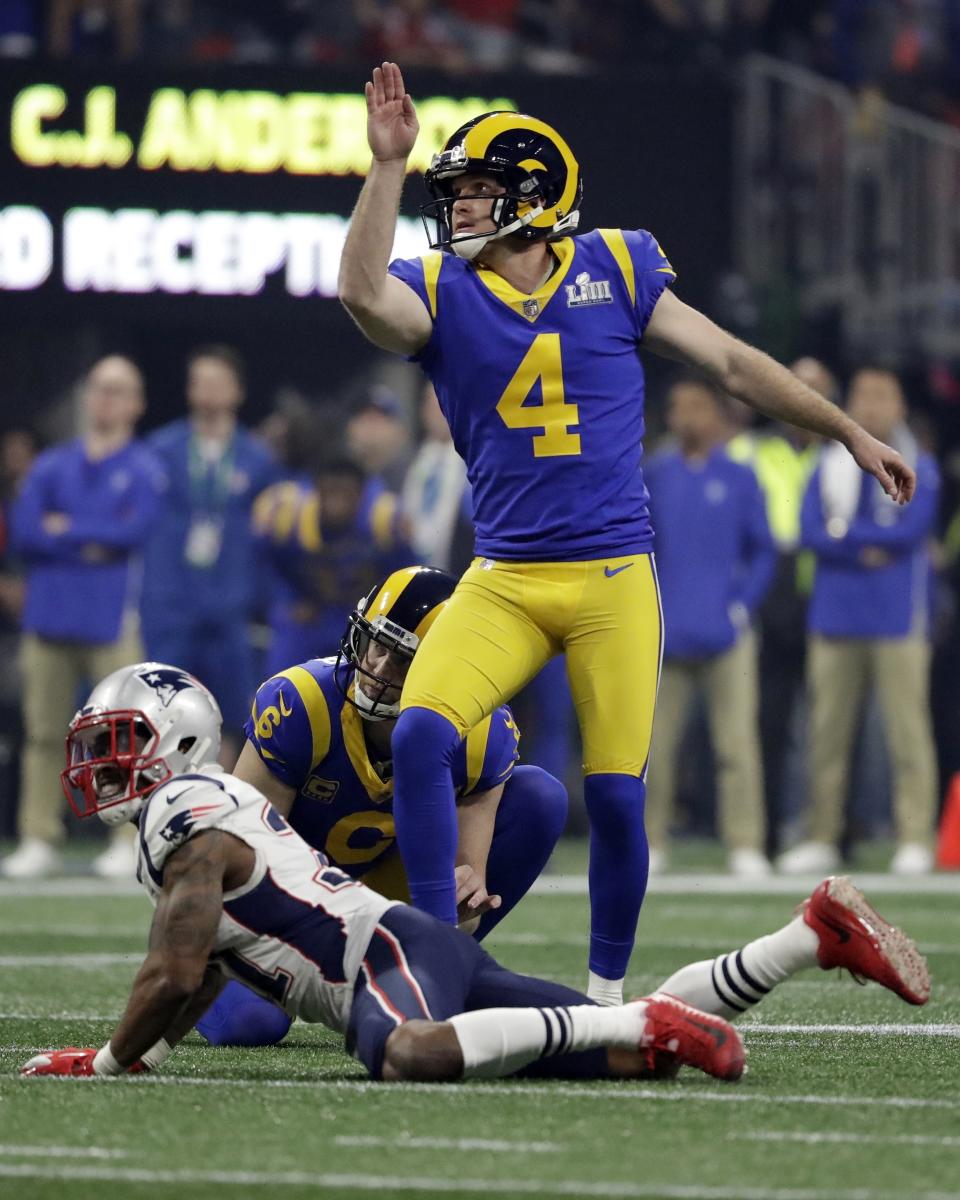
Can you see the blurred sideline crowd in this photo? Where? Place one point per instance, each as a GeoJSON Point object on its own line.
{"type": "Point", "coordinates": [796, 714]}
{"type": "Point", "coordinates": [910, 49]}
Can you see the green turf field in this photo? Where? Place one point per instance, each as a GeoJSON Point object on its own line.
{"type": "Point", "coordinates": [850, 1094]}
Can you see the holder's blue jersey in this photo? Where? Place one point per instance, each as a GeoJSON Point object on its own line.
{"type": "Point", "coordinates": [311, 739]}
{"type": "Point", "coordinates": [544, 393]}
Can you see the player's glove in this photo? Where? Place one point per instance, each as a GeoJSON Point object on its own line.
{"type": "Point", "coordinates": [70, 1061]}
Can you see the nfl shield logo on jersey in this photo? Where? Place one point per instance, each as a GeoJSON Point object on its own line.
{"type": "Point", "coordinates": [531, 308]}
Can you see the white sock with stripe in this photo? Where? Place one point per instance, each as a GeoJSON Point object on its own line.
{"type": "Point", "coordinates": [499, 1041]}
{"type": "Point", "coordinates": [733, 983]}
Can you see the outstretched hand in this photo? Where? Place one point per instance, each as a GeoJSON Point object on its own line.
{"type": "Point", "coordinates": [69, 1061]}
{"type": "Point", "coordinates": [392, 125]}
{"type": "Point", "coordinates": [898, 479]}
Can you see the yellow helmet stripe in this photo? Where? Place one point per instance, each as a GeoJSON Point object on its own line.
{"type": "Point", "coordinates": [392, 588]}
{"type": "Point", "coordinates": [428, 620]}
{"type": "Point", "coordinates": [478, 139]}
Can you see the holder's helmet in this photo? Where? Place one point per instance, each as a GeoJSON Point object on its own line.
{"type": "Point", "coordinates": [395, 614]}
{"type": "Point", "coordinates": [140, 726]}
{"type": "Point", "coordinates": [536, 167]}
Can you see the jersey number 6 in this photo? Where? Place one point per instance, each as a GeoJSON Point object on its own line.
{"type": "Point", "coordinates": [553, 416]}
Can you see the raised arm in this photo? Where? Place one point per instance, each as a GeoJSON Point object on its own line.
{"type": "Point", "coordinates": [389, 313]}
{"type": "Point", "coordinates": [677, 331]}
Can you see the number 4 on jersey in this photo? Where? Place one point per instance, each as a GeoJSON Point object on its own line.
{"type": "Point", "coordinates": [553, 416]}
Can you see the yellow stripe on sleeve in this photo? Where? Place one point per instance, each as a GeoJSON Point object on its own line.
{"type": "Point", "coordinates": [263, 508]}
{"type": "Point", "coordinates": [476, 752]}
{"type": "Point", "coordinates": [308, 526]}
{"type": "Point", "coordinates": [617, 245]}
{"type": "Point", "coordinates": [285, 508]}
{"type": "Point", "coordinates": [431, 275]}
{"type": "Point", "coordinates": [315, 703]}
{"type": "Point", "coordinates": [382, 512]}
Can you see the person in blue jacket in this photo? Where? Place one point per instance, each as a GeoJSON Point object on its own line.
{"type": "Point", "coordinates": [78, 527]}
{"type": "Point", "coordinates": [715, 559]}
{"type": "Point", "coordinates": [868, 627]}
{"type": "Point", "coordinates": [324, 543]}
{"type": "Point", "coordinates": [201, 558]}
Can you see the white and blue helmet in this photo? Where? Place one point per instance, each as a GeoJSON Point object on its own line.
{"type": "Point", "coordinates": [140, 726]}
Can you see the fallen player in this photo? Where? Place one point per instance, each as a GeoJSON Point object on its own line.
{"type": "Point", "coordinates": [239, 895]}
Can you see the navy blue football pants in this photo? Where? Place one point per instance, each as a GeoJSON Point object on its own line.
{"type": "Point", "coordinates": [419, 968]}
{"type": "Point", "coordinates": [530, 819]}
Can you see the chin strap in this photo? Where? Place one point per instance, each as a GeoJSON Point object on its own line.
{"type": "Point", "coordinates": [365, 705]}
{"type": "Point", "coordinates": [469, 246]}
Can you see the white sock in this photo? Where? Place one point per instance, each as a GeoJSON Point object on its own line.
{"type": "Point", "coordinates": [104, 1063]}
{"type": "Point", "coordinates": [158, 1054]}
{"type": "Point", "coordinates": [499, 1041]}
{"type": "Point", "coordinates": [604, 991]}
{"type": "Point", "coordinates": [733, 983]}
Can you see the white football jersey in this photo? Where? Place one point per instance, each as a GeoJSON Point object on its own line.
{"type": "Point", "coordinates": [297, 930]}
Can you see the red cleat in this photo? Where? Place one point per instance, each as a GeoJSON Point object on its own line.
{"type": "Point", "coordinates": [853, 935]}
{"type": "Point", "coordinates": [691, 1038]}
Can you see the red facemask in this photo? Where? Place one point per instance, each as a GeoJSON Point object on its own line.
{"type": "Point", "coordinates": [107, 753]}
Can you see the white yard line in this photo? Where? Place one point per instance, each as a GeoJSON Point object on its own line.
{"type": "Point", "coordinates": [57, 1016]}
{"type": "Point", "coordinates": [78, 962]}
{"type": "Point", "coordinates": [456, 1186]}
{"type": "Point", "coordinates": [619, 1093]}
{"type": "Point", "coordinates": [495, 1145]}
{"type": "Point", "coordinates": [61, 1152]}
{"type": "Point", "coordinates": [713, 945]}
{"type": "Point", "coordinates": [887, 1029]}
{"type": "Point", "coordinates": [69, 885]}
{"type": "Point", "coordinates": [709, 884]}
{"type": "Point", "coordinates": [54, 928]}
{"type": "Point", "coordinates": [884, 1030]}
{"type": "Point", "coordinates": [692, 886]}
{"type": "Point", "coordinates": [857, 1139]}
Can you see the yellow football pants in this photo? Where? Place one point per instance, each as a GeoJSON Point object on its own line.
{"type": "Point", "coordinates": [506, 620]}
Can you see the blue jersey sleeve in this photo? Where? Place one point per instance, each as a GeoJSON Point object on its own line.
{"type": "Point", "coordinates": [644, 267]}
{"type": "Point", "coordinates": [489, 753]}
{"type": "Point", "coordinates": [653, 272]}
{"type": "Point", "coordinates": [422, 276]}
{"type": "Point", "coordinates": [289, 725]}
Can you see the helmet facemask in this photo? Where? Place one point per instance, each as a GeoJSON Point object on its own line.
{"type": "Point", "coordinates": [511, 212]}
{"type": "Point", "coordinates": [369, 688]}
{"type": "Point", "coordinates": [112, 765]}
{"type": "Point", "coordinates": [395, 616]}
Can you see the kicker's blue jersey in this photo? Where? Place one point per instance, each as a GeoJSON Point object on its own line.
{"type": "Point", "coordinates": [311, 739]}
{"type": "Point", "coordinates": [544, 393]}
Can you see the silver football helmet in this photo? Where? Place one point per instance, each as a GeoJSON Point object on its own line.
{"type": "Point", "coordinates": [139, 727]}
